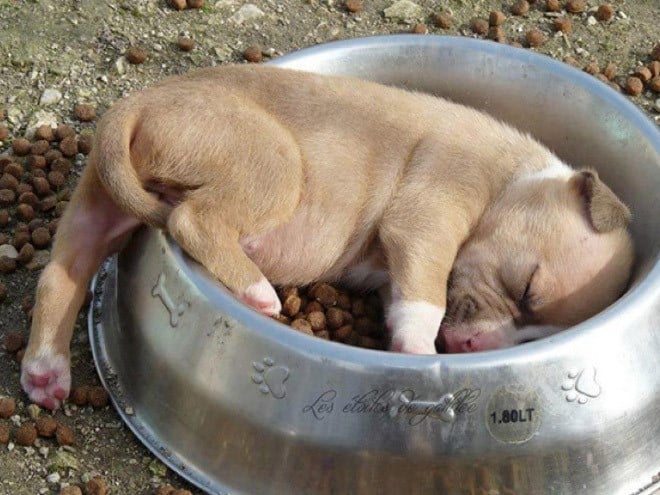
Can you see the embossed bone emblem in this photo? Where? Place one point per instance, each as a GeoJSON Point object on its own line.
{"type": "Point", "coordinates": [175, 310]}
{"type": "Point", "coordinates": [441, 409]}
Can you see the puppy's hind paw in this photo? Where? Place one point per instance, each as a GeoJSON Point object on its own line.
{"type": "Point", "coordinates": [46, 379]}
{"type": "Point", "coordinates": [262, 297]}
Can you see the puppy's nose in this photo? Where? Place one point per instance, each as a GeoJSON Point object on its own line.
{"type": "Point", "coordinates": [454, 343]}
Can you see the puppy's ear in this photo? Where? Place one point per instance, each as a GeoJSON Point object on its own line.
{"type": "Point", "coordinates": [605, 211]}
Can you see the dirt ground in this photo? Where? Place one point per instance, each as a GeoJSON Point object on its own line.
{"type": "Point", "coordinates": [77, 48]}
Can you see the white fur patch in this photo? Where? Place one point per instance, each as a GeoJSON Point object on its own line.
{"type": "Point", "coordinates": [555, 170]}
{"type": "Point", "coordinates": [414, 326]}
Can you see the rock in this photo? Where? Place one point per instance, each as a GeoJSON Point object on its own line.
{"type": "Point", "coordinates": [53, 477]}
{"type": "Point", "coordinates": [14, 115]}
{"type": "Point", "coordinates": [403, 10]}
{"type": "Point", "coordinates": [38, 119]}
{"type": "Point", "coordinates": [120, 65]}
{"type": "Point", "coordinates": [9, 251]}
{"type": "Point", "coordinates": [656, 105]}
{"type": "Point", "coordinates": [60, 460]}
{"type": "Point", "coordinates": [50, 96]}
{"type": "Point", "coordinates": [248, 12]}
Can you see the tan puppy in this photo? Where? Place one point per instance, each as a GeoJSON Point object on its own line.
{"type": "Point", "coordinates": [266, 176]}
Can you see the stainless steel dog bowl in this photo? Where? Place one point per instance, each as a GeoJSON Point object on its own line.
{"type": "Point", "coordinates": [240, 404]}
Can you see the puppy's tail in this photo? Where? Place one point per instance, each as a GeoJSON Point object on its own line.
{"type": "Point", "coordinates": [112, 156]}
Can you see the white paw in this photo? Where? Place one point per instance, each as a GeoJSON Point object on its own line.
{"type": "Point", "coordinates": [262, 297]}
{"type": "Point", "coordinates": [46, 379]}
{"type": "Point", "coordinates": [414, 326]}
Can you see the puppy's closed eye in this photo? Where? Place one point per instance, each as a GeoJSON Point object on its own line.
{"type": "Point", "coordinates": [527, 300]}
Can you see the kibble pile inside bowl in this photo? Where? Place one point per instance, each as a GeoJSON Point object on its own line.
{"type": "Point", "coordinates": [331, 313]}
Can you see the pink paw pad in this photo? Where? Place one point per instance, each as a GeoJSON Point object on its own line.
{"type": "Point", "coordinates": [262, 297]}
{"type": "Point", "coordinates": [46, 379]}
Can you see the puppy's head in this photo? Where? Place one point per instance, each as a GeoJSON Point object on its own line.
{"type": "Point", "coordinates": [553, 250]}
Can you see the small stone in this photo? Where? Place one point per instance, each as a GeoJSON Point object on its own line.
{"type": "Point", "coordinates": [185, 43]}
{"type": "Point", "coordinates": [563, 24]}
{"type": "Point", "coordinates": [20, 146]}
{"type": "Point", "coordinates": [552, 6]}
{"type": "Point", "coordinates": [605, 12]}
{"type": "Point", "coordinates": [98, 397]}
{"type": "Point", "coordinates": [9, 251]}
{"type": "Point", "coordinates": [575, 6]}
{"type": "Point", "coordinates": [53, 477]}
{"type": "Point", "coordinates": [443, 20]}
{"type": "Point", "coordinates": [26, 435]}
{"type": "Point", "coordinates": [46, 426]}
{"type": "Point", "coordinates": [656, 105]}
{"type": "Point", "coordinates": [634, 86]}
{"type": "Point", "coordinates": [479, 26]}
{"type": "Point", "coordinates": [64, 435]}
{"type": "Point", "coordinates": [50, 96]}
{"type": "Point", "coordinates": [136, 55]}
{"type": "Point", "coordinates": [403, 10]}
{"type": "Point", "coordinates": [7, 404]}
{"type": "Point", "coordinates": [535, 37]}
{"type": "Point", "coordinates": [248, 12]}
{"type": "Point", "coordinates": [521, 7]}
{"type": "Point", "coordinates": [33, 411]}
{"type": "Point", "coordinates": [591, 21]}
{"type": "Point", "coordinates": [253, 54]}
{"type": "Point", "coordinates": [354, 6]}
{"type": "Point", "coordinates": [84, 112]}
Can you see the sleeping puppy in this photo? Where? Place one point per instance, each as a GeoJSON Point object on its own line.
{"type": "Point", "coordinates": [271, 176]}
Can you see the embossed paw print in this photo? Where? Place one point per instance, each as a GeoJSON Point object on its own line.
{"type": "Point", "coordinates": [581, 385]}
{"type": "Point", "coordinates": [270, 378]}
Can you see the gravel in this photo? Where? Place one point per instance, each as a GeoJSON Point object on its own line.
{"type": "Point", "coordinates": [58, 55]}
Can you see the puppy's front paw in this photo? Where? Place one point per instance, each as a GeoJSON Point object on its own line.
{"type": "Point", "coordinates": [46, 378]}
{"type": "Point", "coordinates": [262, 297]}
{"type": "Point", "coordinates": [413, 326]}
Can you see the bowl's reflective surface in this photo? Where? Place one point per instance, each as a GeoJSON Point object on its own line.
{"type": "Point", "coordinates": [240, 404]}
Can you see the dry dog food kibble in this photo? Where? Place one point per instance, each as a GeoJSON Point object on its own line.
{"type": "Point", "coordinates": [443, 20]}
{"type": "Point", "coordinates": [553, 6]}
{"type": "Point", "coordinates": [185, 43]}
{"type": "Point", "coordinates": [634, 86]}
{"type": "Point", "coordinates": [46, 426]}
{"type": "Point", "coordinates": [605, 12]}
{"type": "Point", "coordinates": [520, 7]}
{"type": "Point", "coordinates": [20, 146]}
{"type": "Point", "coordinates": [84, 112]}
{"type": "Point", "coordinates": [71, 490]}
{"type": "Point", "coordinates": [253, 54]}
{"type": "Point", "coordinates": [44, 132]}
{"type": "Point", "coordinates": [575, 6]}
{"type": "Point", "coordinates": [331, 313]}
{"type": "Point", "coordinates": [7, 405]}
{"type": "Point", "coordinates": [136, 55]}
{"type": "Point", "coordinates": [97, 397]}
{"type": "Point", "coordinates": [479, 26]}
{"type": "Point", "coordinates": [26, 435]}
{"type": "Point", "coordinates": [64, 435]}
{"type": "Point", "coordinates": [96, 486]}
{"type": "Point", "coordinates": [496, 18]}
{"type": "Point", "coordinates": [354, 6]}
{"type": "Point", "coordinates": [4, 434]}
{"type": "Point", "coordinates": [535, 37]}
